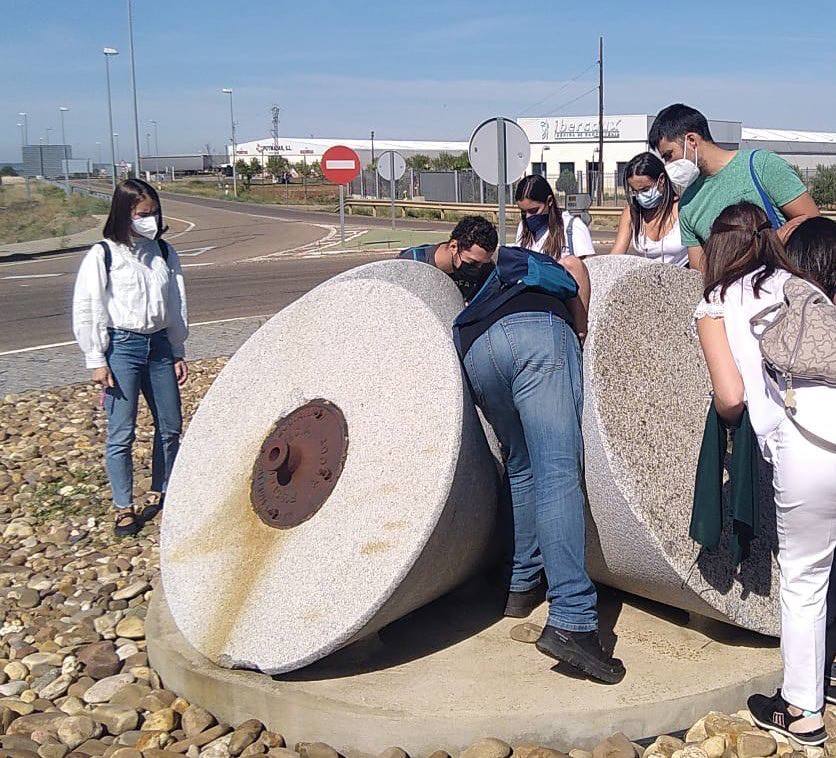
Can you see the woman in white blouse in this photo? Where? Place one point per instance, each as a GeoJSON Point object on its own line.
{"type": "Point", "coordinates": [543, 228]}
{"type": "Point", "coordinates": [650, 221]}
{"type": "Point", "coordinates": [130, 321]}
{"type": "Point", "coordinates": [746, 269]}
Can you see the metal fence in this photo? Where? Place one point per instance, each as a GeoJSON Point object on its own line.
{"type": "Point", "coordinates": [434, 186]}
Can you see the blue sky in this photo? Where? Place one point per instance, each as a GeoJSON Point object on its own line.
{"type": "Point", "coordinates": [429, 69]}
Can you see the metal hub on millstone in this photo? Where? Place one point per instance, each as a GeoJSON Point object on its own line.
{"type": "Point", "coordinates": [299, 464]}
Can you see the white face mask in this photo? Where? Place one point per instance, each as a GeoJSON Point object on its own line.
{"type": "Point", "coordinates": [649, 198]}
{"type": "Point", "coordinates": [145, 226]}
{"type": "Point", "coordinates": [683, 172]}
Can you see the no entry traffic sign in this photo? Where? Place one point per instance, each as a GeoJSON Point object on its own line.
{"type": "Point", "coordinates": [340, 164]}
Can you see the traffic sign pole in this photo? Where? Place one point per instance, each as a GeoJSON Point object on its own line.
{"type": "Point", "coordinates": [502, 174]}
{"type": "Point", "coordinates": [342, 214]}
{"type": "Point", "coordinates": [340, 165]}
{"type": "Point", "coordinates": [392, 184]}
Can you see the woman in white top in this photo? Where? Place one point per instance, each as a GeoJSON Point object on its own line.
{"type": "Point", "coordinates": [746, 268]}
{"type": "Point", "coordinates": [650, 221]}
{"type": "Point", "coordinates": [543, 227]}
{"type": "Point", "coordinates": [131, 323]}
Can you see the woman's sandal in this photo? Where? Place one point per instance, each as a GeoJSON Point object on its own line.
{"type": "Point", "coordinates": [127, 524]}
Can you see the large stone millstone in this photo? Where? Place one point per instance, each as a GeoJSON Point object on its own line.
{"type": "Point", "coordinates": [646, 398]}
{"type": "Point", "coordinates": [334, 478]}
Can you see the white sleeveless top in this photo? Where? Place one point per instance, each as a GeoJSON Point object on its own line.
{"type": "Point", "coordinates": [669, 249]}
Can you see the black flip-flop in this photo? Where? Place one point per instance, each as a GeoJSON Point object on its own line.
{"type": "Point", "coordinates": [149, 511]}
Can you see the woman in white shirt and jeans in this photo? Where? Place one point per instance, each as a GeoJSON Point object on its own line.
{"type": "Point", "coordinates": [543, 227]}
{"type": "Point", "coordinates": [130, 320]}
{"type": "Point", "coordinates": [746, 269]}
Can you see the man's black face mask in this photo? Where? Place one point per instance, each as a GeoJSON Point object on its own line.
{"type": "Point", "coordinates": [469, 277]}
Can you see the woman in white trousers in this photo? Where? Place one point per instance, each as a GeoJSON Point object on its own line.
{"type": "Point", "coordinates": [746, 268]}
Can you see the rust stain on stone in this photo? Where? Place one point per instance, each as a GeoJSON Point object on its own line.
{"type": "Point", "coordinates": [245, 549]}
{"type": "Point", "coordinates": [370, 548]}
{"type": "Point", "coordinates": [393, 525]}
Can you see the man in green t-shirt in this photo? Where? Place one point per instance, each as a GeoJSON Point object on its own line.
{"type": "Point", "coordinates": [710, 178]}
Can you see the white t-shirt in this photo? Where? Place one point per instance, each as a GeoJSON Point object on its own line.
{"type": "Point", "coordinates": [816, 402]}
{"type": "Point", "coordinates": [581, 237]}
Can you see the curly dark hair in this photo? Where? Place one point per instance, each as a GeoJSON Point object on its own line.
{"type": "Point", "coordinates": [475, 230]}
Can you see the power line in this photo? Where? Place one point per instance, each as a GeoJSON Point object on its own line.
{"type": "Point", "coordinates": [561, 89]}
{"type": "Point", "coordinates": [575, 99]}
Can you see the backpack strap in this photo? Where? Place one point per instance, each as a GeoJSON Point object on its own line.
{"type": "Point", "coordinates": [569, 244]}
{"type": "Point", "coordinates": [108, 261]}
{"type": "Point", "coordinates": [768, 205]}
{"type": "Point", "coordinates": [164, 249]}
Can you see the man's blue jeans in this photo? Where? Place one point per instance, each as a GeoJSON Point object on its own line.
{"type": "Point", "coordinates": [527, 376]}
{"type": "Point", "coordinates": [140, 363]}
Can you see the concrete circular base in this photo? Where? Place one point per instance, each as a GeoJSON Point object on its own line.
{"type": "Point", "coordinates": [449, 673]}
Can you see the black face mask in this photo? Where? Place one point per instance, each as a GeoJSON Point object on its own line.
{"type": "Point", "coordinates": [468, 277]}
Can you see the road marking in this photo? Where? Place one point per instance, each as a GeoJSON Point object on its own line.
{"type": "Point", "coordinates": [197, 323]}
{"type": "Point", "coordinates": [30, 276]}
{"type": "Point", "coordinates": [193, 265]}
{"type": "Point", "coordinates": [193, 252]}
{"type": "Point", "coordinates": [191, 225]}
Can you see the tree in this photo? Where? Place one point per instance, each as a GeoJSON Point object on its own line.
{"type": "Point", "coordinates": [567, 182]}
{"type": "Point", "coordinates": [277, 165]}
{"type": "Point", "coordinates": [247, 170]}
{"type": "Point", "coordinates": [418, 162]}
{"type": "Point", "coordinates": [8, 171]}
{"type": "Point", "coordinates": [823, 186]}
{"type": "Point", "coordinates": [450, 162]}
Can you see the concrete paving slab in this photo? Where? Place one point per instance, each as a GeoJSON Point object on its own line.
{"type": "Point", "coordinates": [450, 673]}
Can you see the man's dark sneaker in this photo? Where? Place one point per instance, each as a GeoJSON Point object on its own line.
{"type": "Point", "coordinates": [519, 605]}
{"type": "Point", "coordinates": [583, 651]}
{"type": "Point", "coordinates": [774, 713]}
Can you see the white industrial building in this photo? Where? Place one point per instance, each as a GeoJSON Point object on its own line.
{"type": "Point", "coordinates": [299, 149]}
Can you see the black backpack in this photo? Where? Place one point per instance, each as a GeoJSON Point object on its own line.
{"type": "Point", "coordinates": [108, 256]}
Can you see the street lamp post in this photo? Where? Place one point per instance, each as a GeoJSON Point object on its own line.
{"type": "Point", "coordinates": [61, 111]}
{"type": "Point", "coordinates": [48, 130]}
{"type": "Point", "coordinates": [228, 91]}
{"type": "Point", "coordinates": [108, 52]}
{"type": "Point", "coordinates": [116, 142]}
{"type": "Point", "coordinates": [156, 148]}
{"type": "Point", "coordinates": [25, 127]}
{"type": "Point", "coordinates": [22, 136]}
{"type": "Point", "coordinates": [137, 167]}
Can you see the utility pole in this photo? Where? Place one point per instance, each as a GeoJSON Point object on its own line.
{"type": "Point", "coordinates": [228, 91]}
{"type": "Point", "coordinates": [373, 148]}
{"type": "Point", "coordinates": [61, 111]}
{"type": "Point", "coordinates": [108, 53]}
{"type": "Point", "coordinates": [600, 198]}
{"type": "Point", "coordinates": [137, 167]}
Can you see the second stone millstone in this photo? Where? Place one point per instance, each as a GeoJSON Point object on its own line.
{"type": "Point", "coordinates": [335, 477]}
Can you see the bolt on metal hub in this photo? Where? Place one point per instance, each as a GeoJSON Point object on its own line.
{"type": "Point", "coordinates": [299, 464]}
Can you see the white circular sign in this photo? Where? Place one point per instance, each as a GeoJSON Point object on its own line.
{"type": "Point", "coordinates": [384, 165]}
{"type": "Point", "coordinates": [484, 151]}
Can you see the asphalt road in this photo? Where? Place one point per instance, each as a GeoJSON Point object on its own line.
{"type": "Point", "coordinates": [240, 259]}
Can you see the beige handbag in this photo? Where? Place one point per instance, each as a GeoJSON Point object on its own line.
{"type": "Point", "coordinates": [799, 341]}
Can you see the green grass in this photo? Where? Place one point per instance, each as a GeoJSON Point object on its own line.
{"type": "Point", "coordinates": [387, 239]}
{"type": "Point", "coordinates": [47, 213]}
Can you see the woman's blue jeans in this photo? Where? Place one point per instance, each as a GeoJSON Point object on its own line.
{"type": "Point", "coordinates": [527, 375]}
{"type": "Point", "coordinates": [140, 363]}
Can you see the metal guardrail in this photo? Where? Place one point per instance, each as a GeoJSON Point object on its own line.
{"type": "Point", "coordinates": [443, 209]}
{"type": "Point", "coordinates": [76, 189]}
